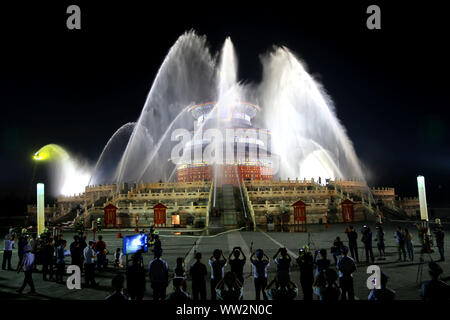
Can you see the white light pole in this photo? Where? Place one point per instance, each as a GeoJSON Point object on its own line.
{"type": "Point", "coordinates": [40, 208]}
{"type": "Point", "coordinates": [423, 202]}
{"type": "Point", "coordinates": [422, 198]}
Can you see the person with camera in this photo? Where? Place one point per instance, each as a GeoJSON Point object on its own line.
{"type": "Point", "coordinates": [217, 262]}
{"type": "Point", "coordinates": [366, 239]}
{"type": "Point", "coordinates": [260, 265]}
{"type": "Point", "coordinates": [283, 262]}
{"type": "Point", "coordinates": [237, 264]}
{"type": "Point", "coordinates": [320, 260]}
{"type": "Point", "coordinates": [305, 262]}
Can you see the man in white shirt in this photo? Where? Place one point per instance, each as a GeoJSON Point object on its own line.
{"type": "Point", "coordinates": [7, 253]}
{"type": "Point", "coordinates": [89, 264]}
{"type": "Point", "coordinates": [27, 265]}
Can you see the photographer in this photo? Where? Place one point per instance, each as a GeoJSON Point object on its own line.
{"type": "Point", "coordinates": [322, 263]}
{"type": "Point", "coordinates": [305, 261]}
{"type": "Point", "coordinates": [217, 270]}
{"type": "Point", "coordinates": [237, 264]}
{"type": "Point", "coordinates": [260, 265]}
{"type": "Point", "coordinates": [283, 262]}
{"type": "Point", "coordinates": [366, 239]}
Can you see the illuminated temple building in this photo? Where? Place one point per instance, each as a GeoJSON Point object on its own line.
{"type": "Point", "coordinates": [246, 156]}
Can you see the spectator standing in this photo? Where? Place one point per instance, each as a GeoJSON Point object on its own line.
{"type": "Point", "coordinates": [409, 245]}
{"type": "Point", "coordinates": [346, 267]}
{"type": "Point", "coordinates": [136, 278]}
{"type": "Point", "coordinates": [159, 276]}
{"type": "Point", "coordinates": [76, 252]}
{"type": "Point", "coordinates": [366, 239]}
{"type": "Point", "coordinates": [283, 262]}
{"type": "Point", "coordinates": [60, 261]}
{"type": "Point", "coordinates": [27, 265]}
{"type": "Point", "coordinates": [100, 249]}
{"type": "Point", "coordinates": [336, 250]}
{"type": "Point", "coordinates": [439, 236]}
{"type": "Point", "coordinates": [198, 273]}
{"type": "Point", "coordinates": [400, 238]}
{"type": "Point", "coordinates": [180, 271]}
{"type": "Point", "coordinates": [321, 261]}
{"type": "Point", "coordinates": [305, 261]}
{"type": "Point", "coordinates": [47, 259]}
{"type": "Point", "coordinates": [331, 292]}
{"type": "Point", "coordinates": [237, 264]}
{"type": "Point", "coordinates": [380, 243]}
{"type": "Point", "coordinates": [89, 264]}
{"type": "Point", "coordinates": [21, 248]}
{"type": "Point", "coordinates": [118, 259]}
{"type": "Point", "coordinates": [7, 253]}
{"type": "Point", "coordinates": [260, 265]}
{"type": "Point", "coordinates": [352, 242]}
{"type": "Point", "coordinates": [217, 262]}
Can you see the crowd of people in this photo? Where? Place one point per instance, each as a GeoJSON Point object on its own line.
{"type": "Point", "coordinates": [319, 276]}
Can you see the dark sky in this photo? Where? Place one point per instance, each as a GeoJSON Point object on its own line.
{"type": "Point", "coordinates": [75, 88]}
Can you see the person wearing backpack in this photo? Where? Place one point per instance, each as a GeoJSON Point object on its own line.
{"type": "Point", "coordinates": [159, 276]}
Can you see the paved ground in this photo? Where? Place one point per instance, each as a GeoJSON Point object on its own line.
{"type": "Point", "coordinates": [402, 274]}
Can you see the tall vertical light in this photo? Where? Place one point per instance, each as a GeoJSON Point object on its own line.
{"type": "Point", "coordinates": [40, 208]}
{"type": "Point", "coordinates": [422, 198]}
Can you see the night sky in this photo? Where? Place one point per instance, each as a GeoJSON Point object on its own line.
{"type": "Point", "coordinates": [75, 88]}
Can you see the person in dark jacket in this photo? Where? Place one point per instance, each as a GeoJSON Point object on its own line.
{"type": "Point", "coordinates": [352, 236]}
{"type": "Point", "coordinates": [237, 264]}
{"type": "Point", "coordinates": [47, 259]}
{"type": "Point", "coordinates": [198, 272]}
{"type": "Point", "coordinates": [136, 278]}
{"type": "Point", "coordinates": [305, 261]}
{"type": "Point", "coordinates": [366, 239]}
